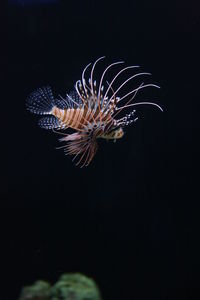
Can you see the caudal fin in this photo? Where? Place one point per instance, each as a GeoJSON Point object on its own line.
{"type": "Point", "coordinates": [41, 101]}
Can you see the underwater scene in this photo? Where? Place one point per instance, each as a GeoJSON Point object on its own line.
{"type": "Point", "coordinates": [98, 199]}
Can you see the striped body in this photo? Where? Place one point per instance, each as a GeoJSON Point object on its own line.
{"type": "Point", "coordinates": [80, 118]}
{"type": "Point", "coordinates": [91, 110]}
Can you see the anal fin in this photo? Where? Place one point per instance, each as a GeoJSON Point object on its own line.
{"type": "Point", "coordinates": [50, 122]}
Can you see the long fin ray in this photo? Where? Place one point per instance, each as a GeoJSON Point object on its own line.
{"type": "Point", "coordinates": [82, 145]}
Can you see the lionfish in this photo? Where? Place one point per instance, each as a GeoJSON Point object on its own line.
{"type": "Point", "coordinates": [91, 110]}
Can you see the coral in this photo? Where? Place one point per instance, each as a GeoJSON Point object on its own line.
{"type": "Point", "coordinates": [69, 287]}
{"type": "Point", "coordinates": [40, 290]}
{"type": "Point", "coordinates": [75, 287]}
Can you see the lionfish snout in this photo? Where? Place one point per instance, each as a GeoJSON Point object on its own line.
{"type": "Point", "coordinates": [92, 109]}
{"type": "Point", "coordinates": [114, 134]}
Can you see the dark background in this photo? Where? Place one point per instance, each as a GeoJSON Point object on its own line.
{"type": "Point", "coordinates": [131, 219]}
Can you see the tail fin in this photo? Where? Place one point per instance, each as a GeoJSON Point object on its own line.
{"type": "Point", "coordinates": [41, 101]}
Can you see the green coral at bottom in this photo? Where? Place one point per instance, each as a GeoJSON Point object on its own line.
{"type": "Point", "coordinates": [69, 287]}
{"type": "Point", "coordinates": [40, 290]}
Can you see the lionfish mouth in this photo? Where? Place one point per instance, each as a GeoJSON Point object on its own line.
{"type": "Point", "coordinates": [91, 110]}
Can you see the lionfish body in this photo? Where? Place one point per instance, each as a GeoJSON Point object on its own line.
{"type": "Point", "coordinates": [90, 110]}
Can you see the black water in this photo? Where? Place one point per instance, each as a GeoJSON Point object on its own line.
{"type": "Point", "coordinates": [131, 219]}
